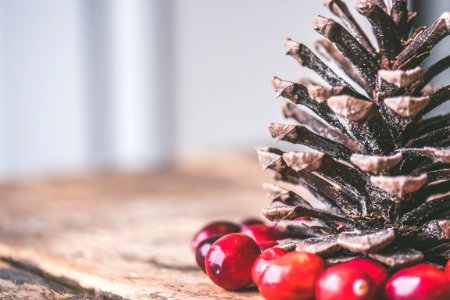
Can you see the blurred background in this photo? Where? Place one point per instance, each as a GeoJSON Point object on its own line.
{"type": "Point", "coordinates": [135, 84]}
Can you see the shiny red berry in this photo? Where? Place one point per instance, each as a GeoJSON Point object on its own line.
{"type": "Point", "coordinates": [251, 221]}
{"type": "Point", "coordinates": [292, 277]}
{"type": "Point", "coordinates": [345, 282]}
{"type": "Point", "coordinates": [229, 261]}
{"type": "Point", "coordinates": [214, 228]}
{"type": "Point", "coordinates": [420, 282]}
{"type": "Point", "coordinates": [447, 270]}
{"type": "Point", "coordinates": [264, 235]}
{"type": "Point", "coordinates": [377, 272]}
{"type": "Point", "coordinates": [202, 249]}
{"type": "Point", "coordinates": [262, 262]}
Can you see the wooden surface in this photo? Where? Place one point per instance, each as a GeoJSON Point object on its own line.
{"type": "Point", "coordinates": [121, 236]}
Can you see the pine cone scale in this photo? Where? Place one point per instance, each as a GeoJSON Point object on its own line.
{"type": "Point", "coordinates": [380, 170]}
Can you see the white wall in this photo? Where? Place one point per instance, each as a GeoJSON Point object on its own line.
{"type": "Point", "coordinates": [226, 54]}
{"type": "Point", "coordinates": [82, 85]}
{"type": "Point", "coordinates": [126, 83]}
{"type": "Point", "coordinates": [43, 105]}
{"type": "Point", "coordinates": [91, 83]}
{"type": "Point", "coordinates": [140, 119]}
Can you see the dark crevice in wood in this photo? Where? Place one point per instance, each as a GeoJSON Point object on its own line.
{"type": "Point", "coordinates": [64, 281]}
{"type": "Point", "coordinates": [182, 268]}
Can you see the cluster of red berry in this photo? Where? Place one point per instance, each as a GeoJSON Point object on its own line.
{"type": "Point", "coordinates": [230, 254]}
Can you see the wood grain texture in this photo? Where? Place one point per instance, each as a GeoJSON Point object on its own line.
{"type": "Point", "coordinates": [122, 236]}
{"type": "Point", "coordinates": [16, 283]}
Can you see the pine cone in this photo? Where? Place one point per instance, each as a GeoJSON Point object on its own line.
{"type": "Point", "coordinates": [379, 169]}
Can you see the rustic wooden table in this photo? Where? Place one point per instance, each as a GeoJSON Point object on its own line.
{"type": "Point", "coordinates": [121, 236]}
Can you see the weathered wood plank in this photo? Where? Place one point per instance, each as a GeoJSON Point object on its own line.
{"type": "Point", "coordinates": [16, 283]}
{"type": "Point", "coordinates": [127, 236]}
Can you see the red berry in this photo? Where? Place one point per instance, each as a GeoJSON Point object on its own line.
{"type": "Point", "coordinates": [345, 282]}
{"type": "Point", "coordinates": [214, 228]}
{"type": "Point", "coordinates": [262, 262]}
{"type": "Point", "coordinates": [377, 272]}
{"type": "Point", "coordinates": [251, 221]}
{"type": "Point", "coordinates": [202, 249]}
{"type": "Point", "coordinates": [447, 270]}
{"type": "Point", "coordinates": [420, 282]}
{"type": "Point", "coordinates": [291, 277]}
{"type": "Point", "coordinates": [265, 236]}
{"type": "Point", "coordinates": [229, 261]}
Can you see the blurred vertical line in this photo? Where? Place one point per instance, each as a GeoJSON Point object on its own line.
{"type": "Point", "coordinates": [164, 43]}
{"type": "Point", "coordinates": [129, 77]}
{"type": "Point", "coordinates": [6, 107]}
{"type": "Point", "coordinates": [97, 35]}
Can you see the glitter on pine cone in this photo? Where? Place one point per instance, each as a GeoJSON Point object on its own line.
{"type": "Point", "coordinates": [379, 168]}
